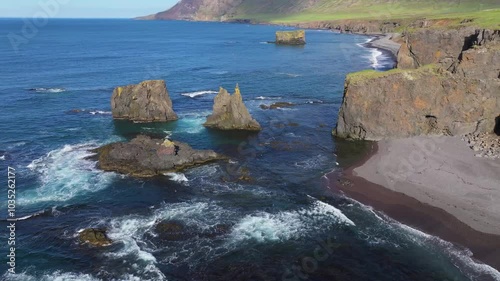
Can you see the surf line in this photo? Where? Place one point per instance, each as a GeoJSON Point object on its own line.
{"type": "Point", "coordinates": [11, 212]}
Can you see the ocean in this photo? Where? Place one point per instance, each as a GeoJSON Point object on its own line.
{"type": "Point", "coordinates": [283, 224]}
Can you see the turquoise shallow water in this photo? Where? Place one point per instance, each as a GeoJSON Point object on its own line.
{"type": "Point", "coordinates": [275, 223]}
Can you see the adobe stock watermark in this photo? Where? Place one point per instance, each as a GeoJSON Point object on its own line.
{"type": "Point", "coordinates": [414, 162]}
{"type": "Point", "coordinates": [302, 269]}
{"type": "Point", "coordinates": [31, 26]}
{"type": "Point", "coordinates": [11, 220]}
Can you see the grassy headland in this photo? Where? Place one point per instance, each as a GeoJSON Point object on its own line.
{"type": "Point", "coordinates": [484, 14]}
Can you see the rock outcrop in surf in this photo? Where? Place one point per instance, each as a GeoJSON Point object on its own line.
{"type": "Point", "coordinates": [447, 83]}
{"type": "Point", "coordinates": [144, 156]}
{"type": "Point", "coordinates": [230, 113]}
{"type": "Point", "coordinates": [147, 101]}
{"type": "Point", "coordinates": [294, 37]}
{"type": "Point", "coordinates": [94, 237]}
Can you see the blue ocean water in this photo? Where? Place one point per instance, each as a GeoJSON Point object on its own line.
{"type": "Point", "coordinates": [55, 94]}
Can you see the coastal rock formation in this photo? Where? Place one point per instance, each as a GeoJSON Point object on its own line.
{"type": "Point", "coordinates": [425, 46]}
{"type": "Point", "coordinates": [94, 237]}
{"type": "Point", "coordinates": [147, 157]}
{"type": "Point", "coordinates": [230, 113]}
{"type": "Point", "coordinates": [295, 37]}
{"type": "Point", "coordinates": [277, 105]}
{"type": "Point", "coordinates": [147, 101]}
{"type": "Point", "coordinates": [457, 94]}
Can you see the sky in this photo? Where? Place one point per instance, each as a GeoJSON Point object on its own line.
{"type": "Point", "coordinates": [84, 8]}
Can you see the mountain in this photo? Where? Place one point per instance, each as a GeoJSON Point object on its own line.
{"type": "Point", "coordinates": [284, 11]}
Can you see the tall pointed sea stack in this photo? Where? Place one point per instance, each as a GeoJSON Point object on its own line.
{"type": "Point", "coordinates": [147, 101]}
{"type": "Point", "coordinates": [230, 113]}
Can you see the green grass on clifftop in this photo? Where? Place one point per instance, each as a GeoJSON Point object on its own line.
{"type": "Point", "coordinates": [485, 13]}
{"type": "Point", "coordinates": [366, 75]}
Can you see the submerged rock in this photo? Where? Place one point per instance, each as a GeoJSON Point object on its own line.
{"type": "Point", "coordinates": [173, 231]}
{"type": "Point", "coordinates": [230, 113]}
{"type": "Point", "coordinates": [277, 105]}
{"type": "Point", "coordinates": [295, 37]}
{"type": "Point", "coordinates": [95, 237]}
{"type": "Point", "coordinates": [147, 101]}
{"type": "Point", "coordinates": [147, 157]}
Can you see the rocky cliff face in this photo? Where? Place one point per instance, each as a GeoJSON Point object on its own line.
{"type": "Point", "coordinates": [448, 82]}
{"type": "Point", "coordinates": [230, 113]}
{"type": "Point", "coordinates": [147, 101]}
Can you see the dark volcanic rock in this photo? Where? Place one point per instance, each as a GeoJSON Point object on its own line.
{"type": "Point", "coordinates": [230, 113]}
{"type": "Point", "coordinates": [457, 94]}
{"type": "Point", "coordinates": [148, 157]}
{"type": "Point", "coordinates": [295, 37]}
{"type": "Point", "coordinates": [277, 105]}
{"type": "Point", "coordinates": [147, 101]}
{"type": "Point", "coordinates": [95, 237]}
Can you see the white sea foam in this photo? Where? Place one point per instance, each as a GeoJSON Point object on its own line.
{"type": "Point", "coordinates": [2, 157]}
{"type": "Point", "coordinates": [100, 112]}
{"type": "Point", "coordinates": [130, 232]}
{"type": "Point", "coordinates": [198, 93]}
{"type": "Point", "coordinates": [289, 74]}
{"type": "Point", "coordinates": [55, 276]}
{"type": "Point", "coordinates": [265, 227]}
{"type": "Point", "coordinates": [48, 90]}
{"type": "Point", "coordinates": [374, 58]}
{"type": "Point", "coordinates": [64, 174]}
{"type": "Point", "coordinates": [66, 276]}
{"type": "Point", "coordinates": [177, 177]}
{"type": "Point", "coordinates": [31, 216]}
{"type": "Point", "coordinates": [462, 258]}
{"type": "Point", "coordinates": [267, 98]}
{"type": "Point", "coordinates": [283, 226]}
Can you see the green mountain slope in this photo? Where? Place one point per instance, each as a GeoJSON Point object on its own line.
{"type": "Point", "coordinates": [294, 11]}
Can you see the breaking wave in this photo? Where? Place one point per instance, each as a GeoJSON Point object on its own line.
{"type": "Point", "coordinates": [48, 90]}
{"type": "Point", "coordinates": [64, 174]}
{"type": "Point", "coordinates": [198, 93]}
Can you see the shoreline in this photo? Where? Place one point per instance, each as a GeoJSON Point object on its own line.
{"type": "Point", "coordinates": [413, 212]}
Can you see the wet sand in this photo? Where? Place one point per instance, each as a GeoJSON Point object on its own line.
{"type": "Point", "coordinates": [400, 204]}
{"type": "Point", "coordinates": [385, 42]}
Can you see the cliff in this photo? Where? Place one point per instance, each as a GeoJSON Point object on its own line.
{"type": "Point", "coordinates": [447, 83]}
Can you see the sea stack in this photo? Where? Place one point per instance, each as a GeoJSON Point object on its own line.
{"type": "Point", "coordinates": [147, 101]}
{"type": "Point", "coordinates": [295, 37]}
{"type": "Point", "coordinates": [230, 113]}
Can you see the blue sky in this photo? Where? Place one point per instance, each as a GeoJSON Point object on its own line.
{"type": "Point", "coordinates": [86, 8]}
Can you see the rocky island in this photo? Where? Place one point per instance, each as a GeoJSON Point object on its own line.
{"type": "Point", "coordinates": [230, 113]}
{"type": "Point", "coordinates": [144, 156]}
{"type": "Point", "coordinates": [294, 37]}
{"type": "Point", "coordinates": [147, 101]}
